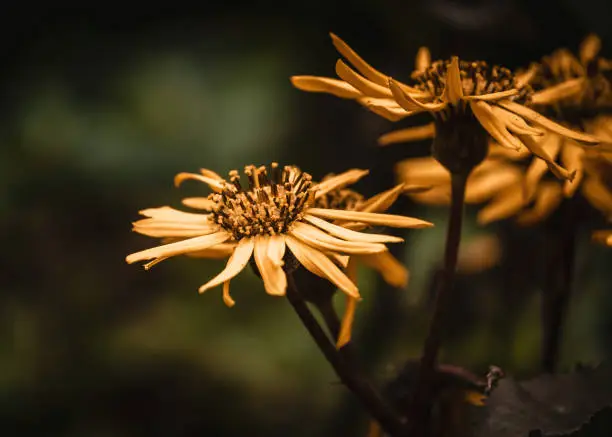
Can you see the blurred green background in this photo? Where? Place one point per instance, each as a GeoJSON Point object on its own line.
{"type": "Point", "coordinates": [103, 105]}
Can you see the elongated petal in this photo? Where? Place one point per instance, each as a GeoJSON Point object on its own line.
{"type": "Point", "coordinates": [227, 299]}
{"type": "Point", "coordinates": [316, 84]}
{"type": "Point", "coordinates": [409, 103]}
{"type": "Point", "coordinates": [453, 90]}
{"type": "Point", "coordinates": [320, 240]}
{"type": "Point", "coordinates": [494, 126]}
{"type": "Point", "coordinates": [235, 264]}
{"type": "Point", "coordinates": [348, 177]}
{"type": "Point", "coordinates": [180, 247]}
{"type": "Point", "coordinates": [396, 221]}
{"type": "Point", "coordinates": [424, 170]}
{"type": "Point", "coordinates": [539, 151]}
{"type": "Point", "coordinates": [589, 48]}
{"type": "Point", "coordinates": [393, 272]}
{"type": "Point", "coordinates": [514, 123]}
{"type": "Point", "coordinates": [273, 276]}
{"type": "Point", "coordinates": [506, 204]}
{"type": "Point", "coordinates": [492, 97]}
{"type": "Point", "coordinates": [346, 325]}
{"type": "Point", "coordinates": [524, 78]}
{"type": "Point", "coordinates": [538, 167]}
{"type": "Point", "coordinates": [276, 249]}
{"type": "Point", "coordinates": [359, 82]}
{"type": "Point", "coordinates": [167, 213]}
{"type": "Point", "coordinates": [161, 229]}
{"type": "Point", "coordinates": [423, 60]}
{"type": "Point", "coordinates": [482, 187]}
{"type": "Point", "coordinates": [571, 157]}
{"type": "Point", "coordinates": [362, 66]}
{"type": "Point", "coordinates": [548, 198]}
{"type": "Point", "coordinates": [321, 265]}
{"type": "Point", "coordinates": [199, 203]}
{"type": "Point", "coordinates": [349, 235]}
{"type": "Point", "coordinates": [417, 133]}
{"type": "Point", "coordinates": [558, 92]}
{"type": "Point", "coordinates": [382, 201]}
{"type": "Point", "coordinates": [215, 184]}
{"type": "Point", "coordinates": [219, 251]}
{"type": "Point", "coordinates": [540, 120]}
{"type": "Point", "coordinates": [386, 108]}
{"type": "Point", "coordinates": [598, 194]}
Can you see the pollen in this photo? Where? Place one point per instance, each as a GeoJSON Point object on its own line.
{"type": "Point", "coordinates": [268, 205]}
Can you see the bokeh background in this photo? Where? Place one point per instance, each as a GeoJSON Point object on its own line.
{"type": "Point", "coordinates": [102, 105]}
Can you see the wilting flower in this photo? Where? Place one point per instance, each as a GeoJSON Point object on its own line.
{"type": "Point", "coordinates": [273, 212]}
{"type": "Point", "coordinates": [468, 100]}
{"type": "Point", "coordinates": [392, 271]}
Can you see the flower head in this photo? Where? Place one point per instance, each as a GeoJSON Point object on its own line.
{"type": "Point", "coordinates": [470, 102]}
{"type": "Point", "coordinates": [273, 211]}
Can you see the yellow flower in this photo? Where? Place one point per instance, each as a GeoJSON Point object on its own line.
{"type": "Point", "coordinates": [466, 99]}
{"type": "Point", "coordinates": [392, 270]}
{"type": "Point", "coordinates": [273, 212]}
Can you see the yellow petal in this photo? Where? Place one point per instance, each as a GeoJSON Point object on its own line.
{"type": "Point", "coordinates": [571, 157]}
{"type": "Point", "coordinates": [215, 184]}
{"type": "Point", "coordinates": [180, 247]}
{"type": "Point", "coordinates": [598, 194]}
{"type": "Point", "coordinates": [539, 151]}
{"type": "Point", "coordinates": [453, 89]}
{"type": "Point", "coordinates": [495, 126]}
{"type": "Point", "coordinates": [422, 171]}
{"type": "Point", "coordinates": [548, 198]}
{"type": "Point", "coordinates": [382, 201]}
{"type": "Point", "coordinates": [321, 265]}
{"type": "Point", "coordinates": [506, 204]}
{"type": "Point", "coordinates": [227, 299]}
{"type": "Point", "coordinates": [386, 108]}
{"type": "Point", "coordinates": [219, 251]}
{"type": "Point", "coordinates": [417, 133]}
{"type": "Point", "coordinates": [540, 120]}
{"type": "Point", "coordinates": [162, 229]}
{"type": "Point", "coordinates": [359, 82]}
{"type": "Point", "coordinates": [322, 241]}
{"type": "Point", "coordinates": [491, 97]}
{"type": "Point", "coordinates": [347, 234]}
{"type": "Point", "coordinates": [589, 48]}
{"type": "Point", "coordinates": [316, 84]}
{"type": "Point", "coordinates": [393, 272]}
{"type": "Point", "coordinates": [409, 103]}
{"type": "Point", "coordinates": [423, 60]}
{"type": "Point", "coordinates": [276, 249]}
{"type": "Point", "coordinates": [199, 203]}
{"type": "Point", "coordinates": [235, 264]}
{"type": "Point", "coordinates": [538, 167]}
{"type": "Point", "coordinates": [482, 187]}
{"type": "Point", "coordinates": [341, 180]}
{"type": "Point", "coordinates": [167, 213]}
{"type": "Point", "coordinates": [558, 92]}
{"type": "Point", "coordinates": [362, 66]}
{"type": "Point", "coordinates": [397, 221]}
{"type": "Point", "coordinates": [524, 78]}
{"type": "Point", "coordinates": [514, 123]}
{"type": "Point", "coordinates": [346, 326]}
{"type": "Point", "coordinates": [273, 276]}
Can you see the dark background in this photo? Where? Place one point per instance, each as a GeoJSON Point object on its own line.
{"type": "Point", "coordinates": [102, 105]}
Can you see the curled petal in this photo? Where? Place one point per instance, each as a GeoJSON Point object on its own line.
{"type": "Point", "coordinates": [359, 82]}
{"type": "Point", "coordinates": [235, 264]}
{"type": "Point", "coordinates": [409, 103]}
{"type": "Point", "coordinates": [215, 184]}
{"type": "Point", "coordinates": [227, 298]}
{"type": "Point", "coordinates": [494, 125]}
{"type": "Point", "coordinates": [538, 150]}
{"type": "Point", "coordinates": [203, 203]}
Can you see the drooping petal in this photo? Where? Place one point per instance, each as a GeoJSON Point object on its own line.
{"type": "Point", "coordinates": [386, 108]}
{"type": "Point", "coordinates": [346, 325]}
{"type": "Point", "coordinates": [393, 272]}
{"type": "Point", "coordinates": [558, 92]}
{"type": "Point", "coordinates": [571, 157]}
{"type": "Point", "coordinates": [227, 299]}
{"type": "Point", "coordinates": [540, 120]}
{"type": "Point", "coordinates": [494, 126]}
{"type": "Point", "coordinates": [417, 133]}
{"type": "Point", "coordinates": [409, 103]}
{"type": "Point", "coordinates": [273, 276]}
{"type": "Point", "coordinates": [396, 221]}
{"type": "Point", "coordinates": [319, 264]}
{"type": "Point", "coordinates": [506, 204]}
{"type": "Point", "coordinates": [548, 198]}
{"type": "Point", "coordinates": [538, 167]}
{"type": "Point", "coordinates": [514, 123]}
{"type": "Point", "coordinates": [235, 264]}
{"type": "Point", "coordinates": [322, 241]}
{"type": "Point", "coordinates": [349, 235]}
{"type": "Point", "coordinates": [453, 89]}
{"type": "Point", "coordinates": [180, 247]}
{"type": "Point", "coordinates": [538, 150]}
{"type": "Point", "coordinates": [492, 97]}
{"type": "Point", "coordinates": [341, 180]}
{"type": "Point", "coordinates": [482, 187]}
{"type": "Point", "coordinates": [215, 184]}
{"type": "Point", "coordinates": [359, 82]}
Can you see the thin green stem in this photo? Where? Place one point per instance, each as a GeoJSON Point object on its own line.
{"type": "Point", "coordinates": [389, 419]}
{"type": "Point", "coordinates": [422, 400]}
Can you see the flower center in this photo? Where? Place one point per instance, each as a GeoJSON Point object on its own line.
{"type": "Point", "coordinates": [477, 78]}
{"type": "Point", "coordinates": [270, 204]}
{"type": "Point", "coordinates": [339, 199]}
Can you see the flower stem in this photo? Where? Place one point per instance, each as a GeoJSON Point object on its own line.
{"type": "Point", "coordinates": [558, 290]}
{"type": "Point", "coordinates": [422, 399]}
{"type": "Point", "coordinates": [382, 411]}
